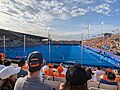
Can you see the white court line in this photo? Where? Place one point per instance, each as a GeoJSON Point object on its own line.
{"type": "Point", "coordinates": [92, 56]}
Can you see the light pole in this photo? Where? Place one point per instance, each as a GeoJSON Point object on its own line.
{"type": "Point", "coordinates": [102, 28]}
{"type": "Point", "coordinates": [81, 49]}
{"type": "Point", "coordinates": [101, 32]}
{"type": "Point", "coordinates": [24, 45]}
{"type": "Point", "coordinates": [88, 30]}
{"type": "Point", "coordinates": [49, 51]}
{"type": "Point", "coordinates": [4, 43]}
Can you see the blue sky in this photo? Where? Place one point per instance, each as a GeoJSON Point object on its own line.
{"type": "Point", "coordinates": [67, 19]}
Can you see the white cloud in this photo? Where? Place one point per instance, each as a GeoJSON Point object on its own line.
{"type": "Point", "coordinates": [29, 15]}
{"type": "Point", "coordinates": [110, 1]}
{"type": "Point", "coordinates": [79, 11]}
{"type": "Point", "coordinates": [103, 8]}
{"type": "Point", "coordinates": [47, 10]}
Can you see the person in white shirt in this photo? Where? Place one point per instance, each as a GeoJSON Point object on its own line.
{"type": "Point", "coordinates": [98, 73]}
{"type": "Point", "coordinates": [42, 74]}
{"type": "Point", "coordinates": [65, 69]}
{"type": "Point", "coordinates": [45, 67]}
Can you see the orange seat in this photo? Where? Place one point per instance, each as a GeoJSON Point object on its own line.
{"type": "Point", "coordinates": [59, 75]}
{"type": "Point", "coordinates": [117, 79]}
{"type": "Point", "coordinates": [60, 69]}
{"type": "Point", "coordinates": [49, 72]}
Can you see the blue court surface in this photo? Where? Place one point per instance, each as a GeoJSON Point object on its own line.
{"type": "Point", "coordinates": [67, 54]}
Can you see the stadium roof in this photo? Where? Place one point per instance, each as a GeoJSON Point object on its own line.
{"type": "Point", "coordinates": [15, 35]}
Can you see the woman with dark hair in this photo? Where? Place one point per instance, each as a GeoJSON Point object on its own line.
{"type": "Point", "coordinates": [23, 71]}
{"type": "Point", "coordinates": [76, 79]}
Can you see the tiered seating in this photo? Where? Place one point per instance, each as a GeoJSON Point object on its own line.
{"type": "Point", "coordinates": [110, 43]}
{"type": "Point", "coordinates": [103, 87]}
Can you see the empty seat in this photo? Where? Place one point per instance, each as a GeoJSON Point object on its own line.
{"type": "Point", "coordinates": [118, 85]}
{"type": "Point", "coordinates": [53, 84]}
{"type": "Point", "coordinates": [92, 84]}
{"type": "Point", "coordinates": [93, 88]}
{"type": "Point", "coordinates": [53, 78]}
{"type": "Point", "coordinates": [109, 87]}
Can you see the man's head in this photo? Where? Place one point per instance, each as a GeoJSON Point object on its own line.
{"type": "Point", "coordinates": [34, 61]}
{"type": "Point", "coordinates": [111, 76]}
{"type": "Point", "coordinates": [21, 63]}
{"type": "Point", "coordinates": [7, 62]}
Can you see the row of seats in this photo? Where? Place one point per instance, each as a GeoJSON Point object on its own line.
{"type": "Point", "coordinates": [55, 86]}
{"type": "Point", "coordinates": [53, 78]}
{"type": "Point", "coordinates": [54, 83]}
{"type": "Point", "coordinates": [102, 86]}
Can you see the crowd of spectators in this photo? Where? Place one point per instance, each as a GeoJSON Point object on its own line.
{"type": "Point", "coordinates": [111, 43]}
{"type": "Point", "coordinates": [35, 75]}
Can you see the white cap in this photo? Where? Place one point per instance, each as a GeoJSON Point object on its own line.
{"type": "Point", "coordinates": [8, 71]}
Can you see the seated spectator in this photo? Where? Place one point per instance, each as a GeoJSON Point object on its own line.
{"type": "Point", "coordinates": [23, 66]}
{"type": "Point", "coordinates": [45, 67]}
{"type": "Point", "coordinates": [76, 79]}
{"type": "Point", "coordinates": [1, 63]}
{"type": "Point", "coordinates": [7, 63]}
{"type": "Point", "coordinates": [1, 67]}
{"type": "Point", "coordinates": [8, 77]}
{"type": "Point", "coordinates": [104, 76]}
{"type": "Point", "coordinates": [98, 73]}
{"type": "Point", "coordinates": [49, 71]}
{"type": "Point", "coordinates": [2, 56]}
{"type": "Point", "coordinates": [32, 80]}
{"type": "Point", "coordinates": [42, 75]}
{"type": "Point", "coordinates": [93, 79]}
{"type": "Point", "coordinates": [22, 63]}
{"type": "Point", "coordinates": [110, 79]}
{"type": "Point", "coordinates": [65, 70]}
{"type": "Point", "coordinates": [50, 64]}
{"type": "Point", "coordinates": [60, 69]}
